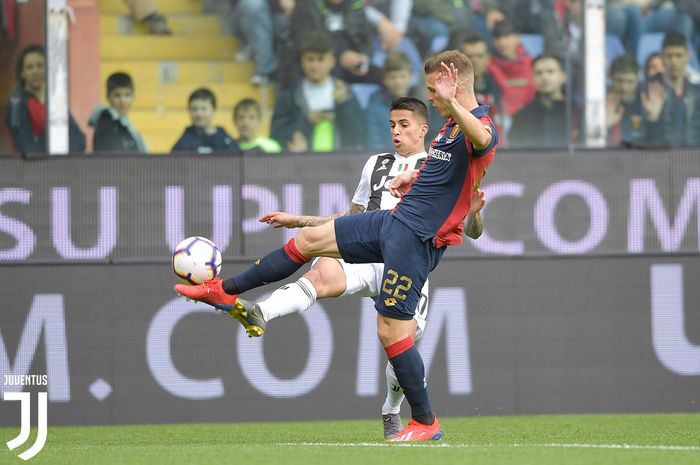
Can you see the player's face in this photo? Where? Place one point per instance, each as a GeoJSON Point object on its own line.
{"type": "Point", "coordinates": [430, 86]}
{"type": "Point", "coordinates": [398, 82]}
{"type": "Point", "coordinates": [479, 56]}
{"type": "Point", "coordinates": [247, 122]}
{"type": "Point", "coordinates": [548, 76]}
{"type": "Point", "coordinates": [625, 85]}
{"type": "Point", "coordinates": [407, 132]}
{"type": "Point", "coordinates": [33, 71]}
{"type": "Point", "coordinates": [317, 66]}
{"type": "Point", "coordinates": [675, 61]}
{"type": "Point", "coordinates": [201, 112]}
{"type": "Point", "coordinates": [121, 99]}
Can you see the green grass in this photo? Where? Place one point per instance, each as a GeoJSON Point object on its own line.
{"type": "Point", "coordinates": [522, 440]}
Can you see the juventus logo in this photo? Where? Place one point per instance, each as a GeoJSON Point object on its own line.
{"type": "Point", "coordinates": [25, 406]}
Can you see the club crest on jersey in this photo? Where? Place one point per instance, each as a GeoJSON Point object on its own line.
{"type": "Point", "coordinates": [455, 131]}
{"type": "Point", "coordinates": [383, 165]}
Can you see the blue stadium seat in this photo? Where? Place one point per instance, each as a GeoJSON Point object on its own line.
{"type": "Point", "coordinates": [439, 43]}
{"type": "Point", "coordinates": [613, 47]}
{"type": "Point", "coordinates": [363, 92]}
{"type": "Point", "coordinates": [533, 43]}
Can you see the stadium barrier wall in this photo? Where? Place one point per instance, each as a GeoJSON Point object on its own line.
{"type": "Point", "coordinates": [592, 308]}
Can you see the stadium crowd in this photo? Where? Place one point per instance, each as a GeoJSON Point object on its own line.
{"type": "Point", "coordinates": [335, 66]}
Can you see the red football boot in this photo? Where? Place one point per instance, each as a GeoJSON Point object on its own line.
{"type": "Point", "coordinates": [209, 292]}
{"type": "Point", "coordinates": [415, 431]}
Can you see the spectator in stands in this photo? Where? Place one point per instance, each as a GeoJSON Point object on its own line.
{"type": "Point", "coordinates": [623, 18]}
{"type": "Point", "coordinates": [113, 130]}
{"type": "Point", "coordinates": [531, 17]}
{"type": "Point", "coordinates": [352, 35]}
{"type": "Point", "coordinates": [396, 83]}
{"type": "Point", "coordinates": [26, 113]}
{"type": "Point", "coordinates": [390, 18]}
{"type": "Point", "coordinates": [485, 86]}
{"type": "Point", "coordinates": [202, 136]}
{"type": "Point", "coordinates": [544, 122]}
{"type": "Point", "coordinates": [434, 18]}
{"type": "Point", "coordinates": [247, 116]}
{"type": "Point", "coordinates": [320, 113]}
{"type": "Point", "coordinates": [255, 23]}
{"type": "Point", "coordinates": [672, 105]}
{"type": "Point", "coordinates": [654, 66]}
{"type": "Point", "coordinates": [625, 117]}
{"type": "Point", "coordinates": [146, 11]}
{"type": "Point", "coordinates": [511, 67]}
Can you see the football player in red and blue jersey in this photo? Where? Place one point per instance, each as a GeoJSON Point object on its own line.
{"type": "Point", "coordinates": [410, 239]}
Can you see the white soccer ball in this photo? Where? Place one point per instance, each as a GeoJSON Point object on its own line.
{"type": "Point", "coordinates": [196, 259]}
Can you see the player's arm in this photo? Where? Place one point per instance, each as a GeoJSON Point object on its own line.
{"type": "Point", "coordinates": [474, 226]}
{"type": "Point", "coordinates": [446, 87]}
{"type": "Point", "coordinates": [287, 220]}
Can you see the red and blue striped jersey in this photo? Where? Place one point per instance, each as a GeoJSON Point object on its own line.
{"type": "Point", "coordinates": [438, 200]}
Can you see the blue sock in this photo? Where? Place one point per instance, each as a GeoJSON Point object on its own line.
{"type": "Point", "coordinates": [410, 372]}
{"type": "Point", "coordinates": [275, 266]}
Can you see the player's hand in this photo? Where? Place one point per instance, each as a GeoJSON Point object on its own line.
{"type": "Point", "coordinates": [401, 183]}
{"type": "Point", "coordinates": [446, 82]}
{"type": "Point", "coordinates": [280, 220]}
{"type": "Point", "coordinates": [477, 201]}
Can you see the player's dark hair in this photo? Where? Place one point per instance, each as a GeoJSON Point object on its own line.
{"type": "Point", "coordinates": [397, 61]}
{"type": "Point", "coordinates": [504, 28]}
{"type": "Point", "coordinates": [411, 104]}
{"type": "Point", "coordinates": [119, 80]}
{"type": "Point", "coordinates": [548, 56]}
{"type": "Point", "coordinates": [29, 49]}
{"type": "Point", "coordinates": [624, 64]}
{"type": "Point", "coordinates": [202, 94]}
{"type": "Point", "coordinates": [316, 42]}
{"type": "Point", "coordinates": [247, 104]}
{"type": "Point", "coordinates": [459, 59]}
{"type": "Point", "coordinates": [674, 39]}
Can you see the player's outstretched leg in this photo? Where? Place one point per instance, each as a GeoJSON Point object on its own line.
{"type": "Point", "coordinates": [275, 266]}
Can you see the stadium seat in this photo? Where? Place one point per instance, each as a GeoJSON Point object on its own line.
{"type": "Point", "coordinates": [439, 43]}
{"type": "Point", "coordinates": [533, 43]}
{"type": "Point", "coordinates": [409, 48]}
{"type": "Point", "coordinates": [363, 92]}
{"type": "Point", "coordinates": [613, 47]}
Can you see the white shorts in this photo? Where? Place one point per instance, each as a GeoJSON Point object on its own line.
{"type": "Point", "coordinates": [365, 279]}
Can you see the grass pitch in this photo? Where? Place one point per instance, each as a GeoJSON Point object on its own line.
{"type": "Point", "coordinates": [523, 440]}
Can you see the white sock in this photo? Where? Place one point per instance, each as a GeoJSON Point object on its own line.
{"type": "Point", "coordinates": [392, 404]}
{"type": "Point", "coordinates": [290, 298]}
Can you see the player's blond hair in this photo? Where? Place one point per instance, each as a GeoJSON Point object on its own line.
{"type": "Point", "coordinates": [459, 59]}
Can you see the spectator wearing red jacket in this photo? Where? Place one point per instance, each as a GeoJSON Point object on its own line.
{"type": "Point", "coordinates": [511, 67]}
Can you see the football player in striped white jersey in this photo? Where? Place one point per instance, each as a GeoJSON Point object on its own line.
{"type": "Point", "coordinates": [331, 277]}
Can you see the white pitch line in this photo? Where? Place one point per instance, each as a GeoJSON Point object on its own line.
{"type": "Point", "coordinates": [477, 446]}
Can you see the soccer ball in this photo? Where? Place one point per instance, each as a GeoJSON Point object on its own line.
{"type": "Point", "coordinates": [196, 259]}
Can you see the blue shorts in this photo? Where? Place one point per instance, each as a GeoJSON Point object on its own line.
{"type": "Point", "coordinates": [378, 237]}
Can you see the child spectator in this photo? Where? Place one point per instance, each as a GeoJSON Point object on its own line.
{"type": "Point", "coordinates": [113, 130]}
{"type": "Point", "coordinates": [320, 113]}
{"type": "Point", "coordinates": [202, 136]}
{"type": "Point", "coordinates": [544, 122]}
{"type": "Point", "coordinates": [511, 67]}
{"type": "Point", "coordinates": [396, 83]}
{"type": "Point", "coordinates": [624, 110]}
{"type": "Point", "coordinates": [26, 114]}
{"type": "Point", "coordinates": [247, 116]}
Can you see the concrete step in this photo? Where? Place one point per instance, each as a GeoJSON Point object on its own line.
{"type": "Point", "coordinates": [199, 25]}
{"type": "Point", "coordinates": [152, 73]}
{"type": "Point", "coordinates": [165, 7]}
{"type": "Point", "coordinates": [166, 48]}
